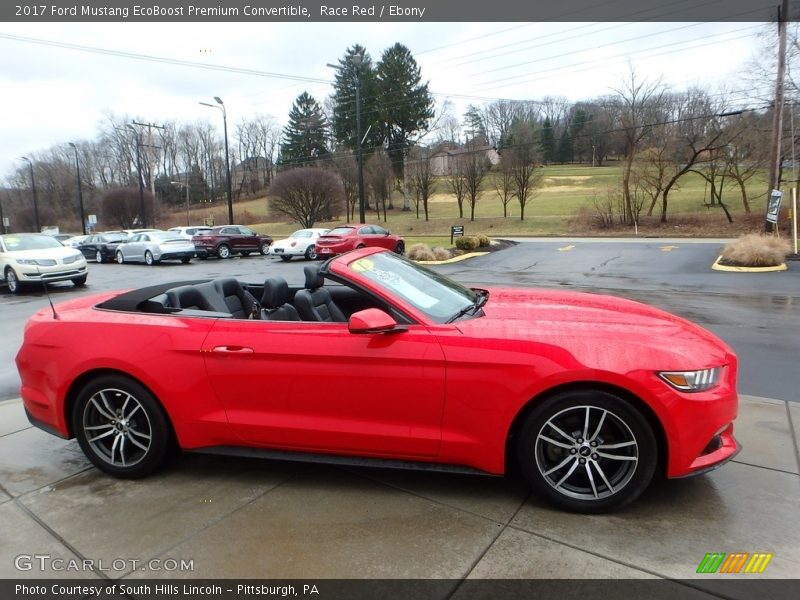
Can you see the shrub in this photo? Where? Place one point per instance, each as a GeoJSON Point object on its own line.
{"type": "Point", "coordinates": [421, 252]}
{"type": "Point", "coordinates": [468, 243]}
{"type": "Point", "coordinates": [755, 250]}
{"type": "Point", "coordinates": [441, 253]}
{"type": "Point", "coordinates": [483, 241]}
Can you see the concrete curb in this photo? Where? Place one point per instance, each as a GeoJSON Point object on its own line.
{"type": "Point", "coordinates": [719, 267]}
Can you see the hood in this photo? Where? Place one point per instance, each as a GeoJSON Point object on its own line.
{"type": "Point", "coordinates": [596, 327]}
{"type": "Point", "coordinates": [45, 253]}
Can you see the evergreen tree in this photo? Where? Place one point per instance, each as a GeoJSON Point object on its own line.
{"type": "Point", "coordinates": [565, 152]}
{"type": "Point", "coordinates": [475, 125]}
{"type": "Point", "coordinates": [547, 141]}
{"type": "Point", "coordinates": [343, 122]}
{"type": "Point", "coordinates": [306, 133]}
{"type": "Point", "coordinates": [405, 103]}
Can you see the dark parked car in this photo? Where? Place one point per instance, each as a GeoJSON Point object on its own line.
{"type": "Point", "coordinates": [102, 246]}
{"type": "Point", "coordinates": [231, 239]}
{"type": "Point", "coordinates": [349, 237]}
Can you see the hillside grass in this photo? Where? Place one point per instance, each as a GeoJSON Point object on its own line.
{"type": "Point", "coordinates": [562, 205]}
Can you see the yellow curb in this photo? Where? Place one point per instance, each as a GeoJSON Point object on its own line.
{"type": "Point", "coordinates": [452, 260]}
{"type": "Point", "coordinates": [718, 267]}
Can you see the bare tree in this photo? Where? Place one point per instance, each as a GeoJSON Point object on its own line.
{"type": "Point", "coordinates": [475, 166]}
{"type": "Point", "coordinates": [346, 167]}
{"type": "Point", "coordinates": [457, 181]}
{"type": "Point", "coordinates": [379, 177]}
{"type": "Point", "coordinates": [307, 195]}
{"type": "Point", "coordinates": [504, 185]}
{"type": "Point", "coordinates": [120, 207]}
{"type": "Point", "coordinates": [521, 159]}
{"type": "Point", "coordinates": [422, 180]}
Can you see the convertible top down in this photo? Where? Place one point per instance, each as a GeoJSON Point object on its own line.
{"type": "Point", "coordinates": [377, 360]}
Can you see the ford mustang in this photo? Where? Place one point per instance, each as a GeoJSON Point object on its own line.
{"type": "Point", "coordinates": [378, 361]}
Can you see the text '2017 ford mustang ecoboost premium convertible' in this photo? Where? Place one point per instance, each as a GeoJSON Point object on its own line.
{"type": "Point", "coordinates": [377, 360]}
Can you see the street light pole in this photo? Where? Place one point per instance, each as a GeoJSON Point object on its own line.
{"type": "Point", "coordinates": [227, 159]}
{"type": "Point", "coordinates": [357, 60]}
{"type": "Point", "coordinates": [139, 172]}
{"type": "Point", "coordinates": [80, 190]}
{"type": "Point", "coordinates": [35, 201]}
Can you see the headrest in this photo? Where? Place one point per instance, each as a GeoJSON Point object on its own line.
{"type": "Point", "coordinates": [314, 279]}
{"type": "Point", "coordinates": [276, 293]}
{"type": "Point", "coordinates": [227, 286]}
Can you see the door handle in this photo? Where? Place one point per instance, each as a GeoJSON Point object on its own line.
{"type": "Point", "coordinates": [232, 350]}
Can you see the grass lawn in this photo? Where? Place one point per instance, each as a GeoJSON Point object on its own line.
{"type": "Point", "coordinates": [566, 191]}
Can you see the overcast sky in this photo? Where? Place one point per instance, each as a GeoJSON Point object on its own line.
{"type": "Point", "coordinates": [53, 95]}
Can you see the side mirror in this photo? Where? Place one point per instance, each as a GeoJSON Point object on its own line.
{"type": "Point", "coordinates": [372, 320]}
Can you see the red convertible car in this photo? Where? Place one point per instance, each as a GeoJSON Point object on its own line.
{"type": "Point", "coordinates": [377, 360]}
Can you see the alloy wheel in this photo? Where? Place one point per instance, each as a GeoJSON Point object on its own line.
{"type": "Point", "coordinates": [118, 429]}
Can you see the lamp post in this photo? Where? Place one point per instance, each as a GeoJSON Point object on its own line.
{"type": "Point", "coordinates": [187, 196]}
{"type": "Point", "coordinates": [356, 60]}
{"type": "Point", "coordinates": [33, 190]}
{"type": "Point", "coordinates": [139, 172]}
{"type": "Point", "coordinates": [227, 160]}
{"type": "Point", "coordinates": [80, 191]}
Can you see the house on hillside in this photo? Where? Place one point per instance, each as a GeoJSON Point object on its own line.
{"type": "Point", "coordinates": [251, 175]}
{"type": "Point", "coordinates": [443, 162]}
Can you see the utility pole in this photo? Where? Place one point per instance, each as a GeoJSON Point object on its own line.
{"type": "Point", "coordinates": [777, 114]}
{"type": "Point", "coordinates": [80, 190]}
{"type": "Point", "coordinates": [35, 200]}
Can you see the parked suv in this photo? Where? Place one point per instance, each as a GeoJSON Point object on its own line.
{"type": "Point", "coordinates": [226, 240]}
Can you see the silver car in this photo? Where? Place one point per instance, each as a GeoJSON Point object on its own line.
{"type": "Point", "coordinates": [154, 246]}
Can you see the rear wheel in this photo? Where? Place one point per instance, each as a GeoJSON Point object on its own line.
{"type": "Point", "coordinates": [587, 451]}
{"type": "Point", "coordinates": [311, 252]}
{"type": "Point", "coordinates": [359, 246]}
{"type": "Point", "coordinates": [120, 258]}
{"type": "Point", "coordinates": [264, 249]}
{"type": "Point", "coordinates": [223, 251]}
{"type": "Point", "coordinates": [148, 258]}
{"type": "Point", "coordinates": [14, 286]}
{"type": "Point", "coordinates": [400, 248]}
{"type": "Point", "coordinates": [121, 427]}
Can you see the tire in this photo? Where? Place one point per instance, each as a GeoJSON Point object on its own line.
{"type": "Point", "coordinates": [117, 442]}
{"type": "Point", "coordinates": [285, 258]}
{"type": "Point", "coordinates": [400, 248]}
{"type": "Point", "coordinates": [311, 252]}
{"type": "Point", "coordinates": [79, 281]}
{"type": "Point", "coordinates": [186, 260]}
{"type": "Point", "coordinates": [98, 257]}
{"type": "Point", "coordinates": [223, 251]}
{"type": "Point", "coordinates": [359, 246]}
{"type": "Point", "coordinates": [12, 281]}
{"type": "Point", "coordinates": [573, 466]}
{"type": "Point", "coordinates": [148, 258]}
{"type": "Point", "coordinates": [120, 258]}
{"type": "Point", "coordinates": [264, 249]}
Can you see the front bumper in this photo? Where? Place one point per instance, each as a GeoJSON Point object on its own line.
{"type": "Point", "coordinates": [26, 274]}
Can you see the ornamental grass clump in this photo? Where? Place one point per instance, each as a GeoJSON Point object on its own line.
{"type": "Point", "coordinates": [421, 252]}
{"type": "Point", "coordinates": [755, 250]}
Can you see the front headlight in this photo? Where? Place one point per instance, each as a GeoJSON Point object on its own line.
{"type": "Point", "coordinates": [692, 381]}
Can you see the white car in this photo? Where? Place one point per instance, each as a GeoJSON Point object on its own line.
{"type": "Point", "coordinates": [153, 247]}
{"type": "Point", "coordinates": [75, 241]}
{"type": "Point", "coordinates": [301, 243]}
{"type": "Point", "coordinates": [189, 232]}
{"type": "Point", "coordinates": [28, 258]}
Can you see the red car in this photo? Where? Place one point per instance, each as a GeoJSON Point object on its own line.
{"type": "Point", "coordinates": [387, 363]}
{"type": "Point", "coordinates": [351, 237]}
{"type": "Point", "coordinates": [228, 240]}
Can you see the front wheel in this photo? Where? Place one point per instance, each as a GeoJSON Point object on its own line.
{"type": "Point", "coordinates": [587, 451]}
{"type": "Point", "coordinates": [120, 258]}
{"type": "Point", "coordinates": [264, 249]}
{"type": "Point", "coordinates": [98, 257]}
{"type": "Point", "coordinates": [400, 248]}
{"type": "Point", "coordinates": [223, 251]}
{"type": "Point", "coordinates": [121, 427]}
{"type": "Point", "coordinates": [12, 281]}
{"type": "Point", "coordinates": [311, 253]}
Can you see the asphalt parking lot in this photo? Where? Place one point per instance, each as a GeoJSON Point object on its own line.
{"type": "Point", "coordinates": [239, 518]}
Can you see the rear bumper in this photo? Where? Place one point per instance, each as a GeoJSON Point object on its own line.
{"type": "Point", "coordinates": [177, 255]}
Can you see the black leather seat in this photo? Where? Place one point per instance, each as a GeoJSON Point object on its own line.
{"type": "Point", "coordinates": [315, 303]}
{"type": "Point", "coordinates": [237, 301]}
{"type": "Point", "coordinates": [191, 297]}
{"type": "Point", "coordinates": [275, 301]}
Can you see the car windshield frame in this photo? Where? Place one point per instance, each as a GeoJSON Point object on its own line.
{"type": "Point", "coordinates": [436, 296]}
{"type": "Point", "coordinates": [32, 242]}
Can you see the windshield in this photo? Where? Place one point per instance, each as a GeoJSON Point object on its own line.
{"type": "Point", "coordinates": [30, 242]}
{"type": "Point", "coordinates": [429, 292]}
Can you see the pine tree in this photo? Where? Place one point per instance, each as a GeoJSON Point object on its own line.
{"type": "Point", "coordinates": [547, 140]}
{"type": "Point", "coordinates": [343, 122]}
{"type": "Point", "coordinates": [304, 138]}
